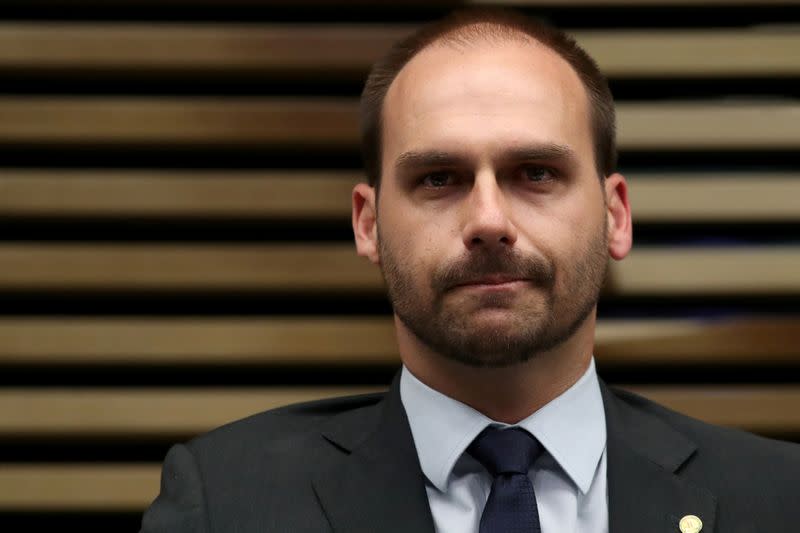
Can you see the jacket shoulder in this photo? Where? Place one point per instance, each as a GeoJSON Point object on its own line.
{"type": "Point", "coordinates": [705, 433]}
{"type": "Point", "coordinates": [247, 474]}
{"type": "Point", "coordinates": [283, 429]}
{"type": "Point", "coordinates": [732, 456]}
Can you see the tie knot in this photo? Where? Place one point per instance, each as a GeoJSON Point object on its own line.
{"type": "Point", "coordinates": [505, 451]}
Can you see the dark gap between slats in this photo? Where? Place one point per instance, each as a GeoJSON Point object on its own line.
{"type": "Point", "coordinates": [179, 82]}
{"type": "Point", "coordinates": [699, 307]}
{"type": "Point", "coordinates": [176, 157]}
{"type": "Point", "coordinates": [83, 450]}
{"type": "Point", "coordinates": [416, 11]}
{"type": "Point", "coordinates": [85, 522]}
{"type": "Point", "coordinates": [232, 375]}
{"type": "Point", "coordinates": [41, 231]}
{"type": "Point", "coordinates": [166, 157]}
{"type": "Point", "coordinates": [126, 450]}
{"type": "Point", "coordinates": [187, 376]}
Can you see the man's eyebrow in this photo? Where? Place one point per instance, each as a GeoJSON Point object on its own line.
{"type": "Point", "coordinates": [539, 152]}
{"type": "Point", "coordinates": [431, 158]}
{"type": "Point", "coordinates": [438, 158]}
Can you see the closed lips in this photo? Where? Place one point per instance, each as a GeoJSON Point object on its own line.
{"type": "Point", "coordinates": [492, 280]}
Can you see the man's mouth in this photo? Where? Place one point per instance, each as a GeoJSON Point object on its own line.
{"type": "Point", "coordinates": [496, 280]}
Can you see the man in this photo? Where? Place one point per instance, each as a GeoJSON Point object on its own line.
{"type": "Point", "coordinates": [492, 210]}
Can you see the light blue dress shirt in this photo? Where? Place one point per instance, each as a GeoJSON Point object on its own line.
{"type": "Point", "coordinates": [569, 480]}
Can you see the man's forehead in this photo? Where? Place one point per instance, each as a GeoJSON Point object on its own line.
{"type": "Point", "coordinates": [442, 88]}
{"type": "Point", "coordinates": [471, 51]}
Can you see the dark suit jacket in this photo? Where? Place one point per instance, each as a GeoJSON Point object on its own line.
{"type": "Point", "coordinates": [349, 465]}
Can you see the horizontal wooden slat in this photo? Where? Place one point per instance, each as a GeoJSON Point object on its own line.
{"type": "Point", "coordinates": [700, 126]}
{"type": "Point", "coordinates": [754, 341]}
{"type": "Point", "coordinates": [769, 409]}
{"type": "Point", "coordinates": [349, 50]}
{"type": "Point", "coordinates": [78, 487]}
{"type": "Point", "coordinates": [269, 194]}
{"type": "Point", "coordinates": [131, 412]}
{"type": "Point", "coordinates": [172, 49]}
{"type": "Point", "coordinates": [694, 53]}
{"type": "Point", "coordinates": [365, 340]}
{"type": "Point", "coordinates": [217, 121]}
{"type": "Point", "coordinates": [713, 197]}
{"type": "Point", "coordinates": [713, 270]}
{"type": "Point", "coordinates": [164, 340]}
{"type": "Point", "coordinates": [28, 412]}
{"type": "Point", "coordinates": [289, 268]}
{"type": "Point", "coordinates": [656, 197]}
{"type": "Point", "coordinates": [336, 267]}
{"type": "Point", "coordinates": [332, 123]}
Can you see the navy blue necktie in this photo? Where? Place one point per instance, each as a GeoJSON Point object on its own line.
{"type": "Point", "coordinates": [508, 455]}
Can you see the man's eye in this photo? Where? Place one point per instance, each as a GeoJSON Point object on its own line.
{"type": "Point", "coordinates": [536, 174]}
{"type": "Point", "coordinates": [437, 180]}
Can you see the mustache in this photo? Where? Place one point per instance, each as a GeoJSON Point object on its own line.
{"type": "Point", "coordinates": [531, 267]}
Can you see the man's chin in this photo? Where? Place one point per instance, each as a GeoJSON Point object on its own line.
{"type": "Point", "coordinates": [496, 315]}
{"type": "Point", "coordinates": [484, 355]}
{"type": "Point", "coordinates": [524, 301]}
{"type": "Point", "coordinates": [497, 319]}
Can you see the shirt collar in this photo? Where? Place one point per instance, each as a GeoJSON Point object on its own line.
{"type": "Point", "coordinates": [571, 428]}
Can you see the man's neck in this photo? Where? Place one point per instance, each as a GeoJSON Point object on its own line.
{"type": "Point", "coordinates": [507, 394]}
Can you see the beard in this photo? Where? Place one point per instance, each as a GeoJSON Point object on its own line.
{"type": "Point", "coordinates": [547, 312]}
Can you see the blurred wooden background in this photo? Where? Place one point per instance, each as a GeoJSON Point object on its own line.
{"type": "Point", "coordinates": [176, 248]}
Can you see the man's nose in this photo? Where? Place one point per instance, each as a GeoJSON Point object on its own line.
{"type": "Point", "coordinates": [487, 219]}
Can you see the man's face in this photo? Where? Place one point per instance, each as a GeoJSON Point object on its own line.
{"type": "Point", "coordinates": [491, 221]}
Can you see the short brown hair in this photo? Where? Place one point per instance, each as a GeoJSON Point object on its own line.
{"type": "Point", "coordinates": [487, 23]}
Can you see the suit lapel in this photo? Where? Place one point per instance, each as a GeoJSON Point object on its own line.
{"type": "Point", "coordinates": [376, 484]}
{"type": "Point", "coordinates": [644, 491]}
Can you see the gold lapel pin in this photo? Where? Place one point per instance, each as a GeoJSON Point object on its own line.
{"type": "Point", "coordinates": [690, 524]}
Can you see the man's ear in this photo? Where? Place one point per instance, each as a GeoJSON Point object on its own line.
{"type": "Point", "coordinates": [618, 216]}
{"type": "Point", "coordinates": [365, 227]}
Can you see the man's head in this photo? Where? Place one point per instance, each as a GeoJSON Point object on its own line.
{"type": "Point", "coordinates": [494, 230]}
{"type": "Point", "coordinates": [486, 24]}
